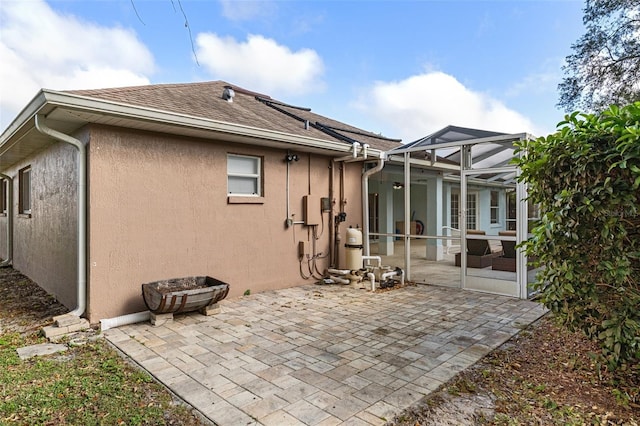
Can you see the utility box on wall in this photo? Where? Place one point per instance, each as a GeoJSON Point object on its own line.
{"type": "Point", "coordinates": [312, 210]}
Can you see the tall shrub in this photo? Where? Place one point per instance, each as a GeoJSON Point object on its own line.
{"type": "Point", "coordinates": [586, 179]}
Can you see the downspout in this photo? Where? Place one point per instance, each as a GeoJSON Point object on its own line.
{"type": "Point", "coordinates": [332, 262]}
{"type": "Point", "coordinates": [82, 209]}
{"type": "Point", "coordinates": [107, 323]}
{"type": "Point", "coordinates": [355, 150]}
{"type": "Point", "coordinates": [365, 200]}
{"type": "Point", "coordinates": [9, 258]}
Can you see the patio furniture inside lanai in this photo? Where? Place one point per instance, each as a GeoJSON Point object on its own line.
{"type": "Point", "coordinates": [457, 179]}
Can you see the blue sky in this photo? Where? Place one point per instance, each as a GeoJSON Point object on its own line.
{"type": "Point", "coordinates": [400, 68]}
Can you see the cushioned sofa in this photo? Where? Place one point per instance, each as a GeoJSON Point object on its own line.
{"type": "Point", "coordinates": [506, 262]}
{"type": "Point", "coordinates": [479, 254]}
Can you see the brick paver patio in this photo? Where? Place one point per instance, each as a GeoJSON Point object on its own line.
{"type": "Point", "coordinates": [322, 355]}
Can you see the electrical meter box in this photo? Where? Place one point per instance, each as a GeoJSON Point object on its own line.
{"type": "Point", "coordinates": [312, 210]}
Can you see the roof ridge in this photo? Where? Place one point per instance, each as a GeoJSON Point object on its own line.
{"type": "Point", "coordinates": [125, 89]}
{"type": "Point", "coordinates": [206, 99]}
{"type": "Point", "coordinates": [284, 104]}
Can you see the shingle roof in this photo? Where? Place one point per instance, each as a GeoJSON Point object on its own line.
{"type": "Point", "coordinates": [204, 100]}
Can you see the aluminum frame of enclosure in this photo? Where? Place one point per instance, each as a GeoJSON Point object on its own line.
{"type": "Point", "coordinates": [499, 170]}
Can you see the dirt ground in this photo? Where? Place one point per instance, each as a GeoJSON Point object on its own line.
{"type": "Point", "coordinates": [543, 376]}
{"type": "Point", "coordinates": [25, 306]}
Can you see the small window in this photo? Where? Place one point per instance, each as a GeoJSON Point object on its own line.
{"type": "Point", "coordinates": [472, 211]}
{"type": "Point", "coordinates": [495, 207]}
{"type": "Point", "coordinates": [455, 205]}
{"type": "Point", "coordinates": [244, 175]}
{"type": "Point", "coordinates": [4, 189]}
{"type": "Point", "coordinates": [24, 201]}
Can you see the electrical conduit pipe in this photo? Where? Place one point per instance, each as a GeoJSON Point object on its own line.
{"type": "Point", "coordinates": [82, 209]}
{"type": "Point", "coordinates": [9, 258]}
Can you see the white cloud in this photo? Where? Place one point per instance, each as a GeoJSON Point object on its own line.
{"type": "Point", "coordinates": [235, 10]}
{"type": "Point", "coordinates": [42, 48]}
{"type": "Point", "coordinates": [421, 104]}
{"type": "Point", "coordinates": [535, 83]}
{"type": "Point", "coordinates": [261, 64]}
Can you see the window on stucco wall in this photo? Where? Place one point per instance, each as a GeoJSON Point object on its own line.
{"type": "Point", "coordinates": [4, 188]}
{"type": "Point", "coordinates": [244, 175]}
{"type": "Point", "coordinates": [24, 196]}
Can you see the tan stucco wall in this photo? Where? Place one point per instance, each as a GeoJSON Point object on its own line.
{"type": "Point", "coordinates": [158, 209]}
{"type": "Point", "coordinates": [45, 244]}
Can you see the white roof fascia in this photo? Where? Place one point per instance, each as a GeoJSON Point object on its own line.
{"type": "Point", "coordinates": [164, 117]}
{"type": "Point", "coordinates": [99, 106]}
{"type": "Point", "coordinates": [457, 144]}
{"type": "Point", "coordinates": [38, 101]}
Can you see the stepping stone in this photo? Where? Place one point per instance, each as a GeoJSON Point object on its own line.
{"type": "Point", "coordinates": [40, 350]}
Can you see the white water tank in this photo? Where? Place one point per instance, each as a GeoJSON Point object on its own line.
{"type": "Point", "coordinates": [353, 249]}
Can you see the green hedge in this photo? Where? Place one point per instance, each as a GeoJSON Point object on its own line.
{"type": "Point", "coordinates": [586, 179]}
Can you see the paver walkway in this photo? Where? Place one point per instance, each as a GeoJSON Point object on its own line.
{"type": "Point", "coordinates": [322, 355]}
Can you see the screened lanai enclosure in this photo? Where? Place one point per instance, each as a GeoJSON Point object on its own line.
{"type": "Point", "coordinates": [449, 193]}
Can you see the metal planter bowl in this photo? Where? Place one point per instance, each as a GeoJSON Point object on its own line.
{"type": "Point", "coordinates": [183, 294]}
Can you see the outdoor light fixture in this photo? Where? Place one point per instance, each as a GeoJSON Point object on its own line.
{"type": "Point", "coordinates": [398, 185]}
{"type": "Point", "coordinates": [291, 157]}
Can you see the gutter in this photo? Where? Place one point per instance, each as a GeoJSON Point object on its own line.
{"type": "Point", "coordinates": [82, 209]}
{"type": "Point", "coordinates": [9, 258]}
{"type": "Point", "coordinates": [239, 132]}
{"type": "Point", "coordinates": [365, 200]}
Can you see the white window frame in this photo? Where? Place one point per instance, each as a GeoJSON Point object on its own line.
{"type": "Point", "coordinates": [471, 194]}
{"type": "Point", "coordinates": [454, 210]}
{"type": "Point", "coordinates": [494, 209]}
{"type": "Point", "coordinates": [24, 183]}
{"type": "Point", "coordinates": [257, 177]}
{"type": "Point", "coordinates": [5, 197]}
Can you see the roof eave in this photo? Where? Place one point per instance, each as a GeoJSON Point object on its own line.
{"type": "Point", "coordinates": [27, 113]}
{"type": "Point", "coordinates": [111, 108]}
{"type": "Point", "coordinates": [218, 129]}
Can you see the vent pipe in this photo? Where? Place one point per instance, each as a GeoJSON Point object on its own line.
{"type": "Point", "coordinates": [228, 94]}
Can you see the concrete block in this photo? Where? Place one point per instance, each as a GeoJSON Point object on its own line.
{"type": "Point", "coordinates": [68, 320]}
{"type": "Point", "coordinates": [210, 310]}
{"type": "Point", "coordinates": [160, 319]}
{"type": "Point", "coordinates": [54, 331]}
{"type": "Point", "coordinates": [82, 325]}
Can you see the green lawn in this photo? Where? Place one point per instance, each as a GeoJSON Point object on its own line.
{"type": "Point", "coordinates": [86, 385]}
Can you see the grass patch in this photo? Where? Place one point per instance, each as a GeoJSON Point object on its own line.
{"type": "Point", "coordinates": [88, 385]}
